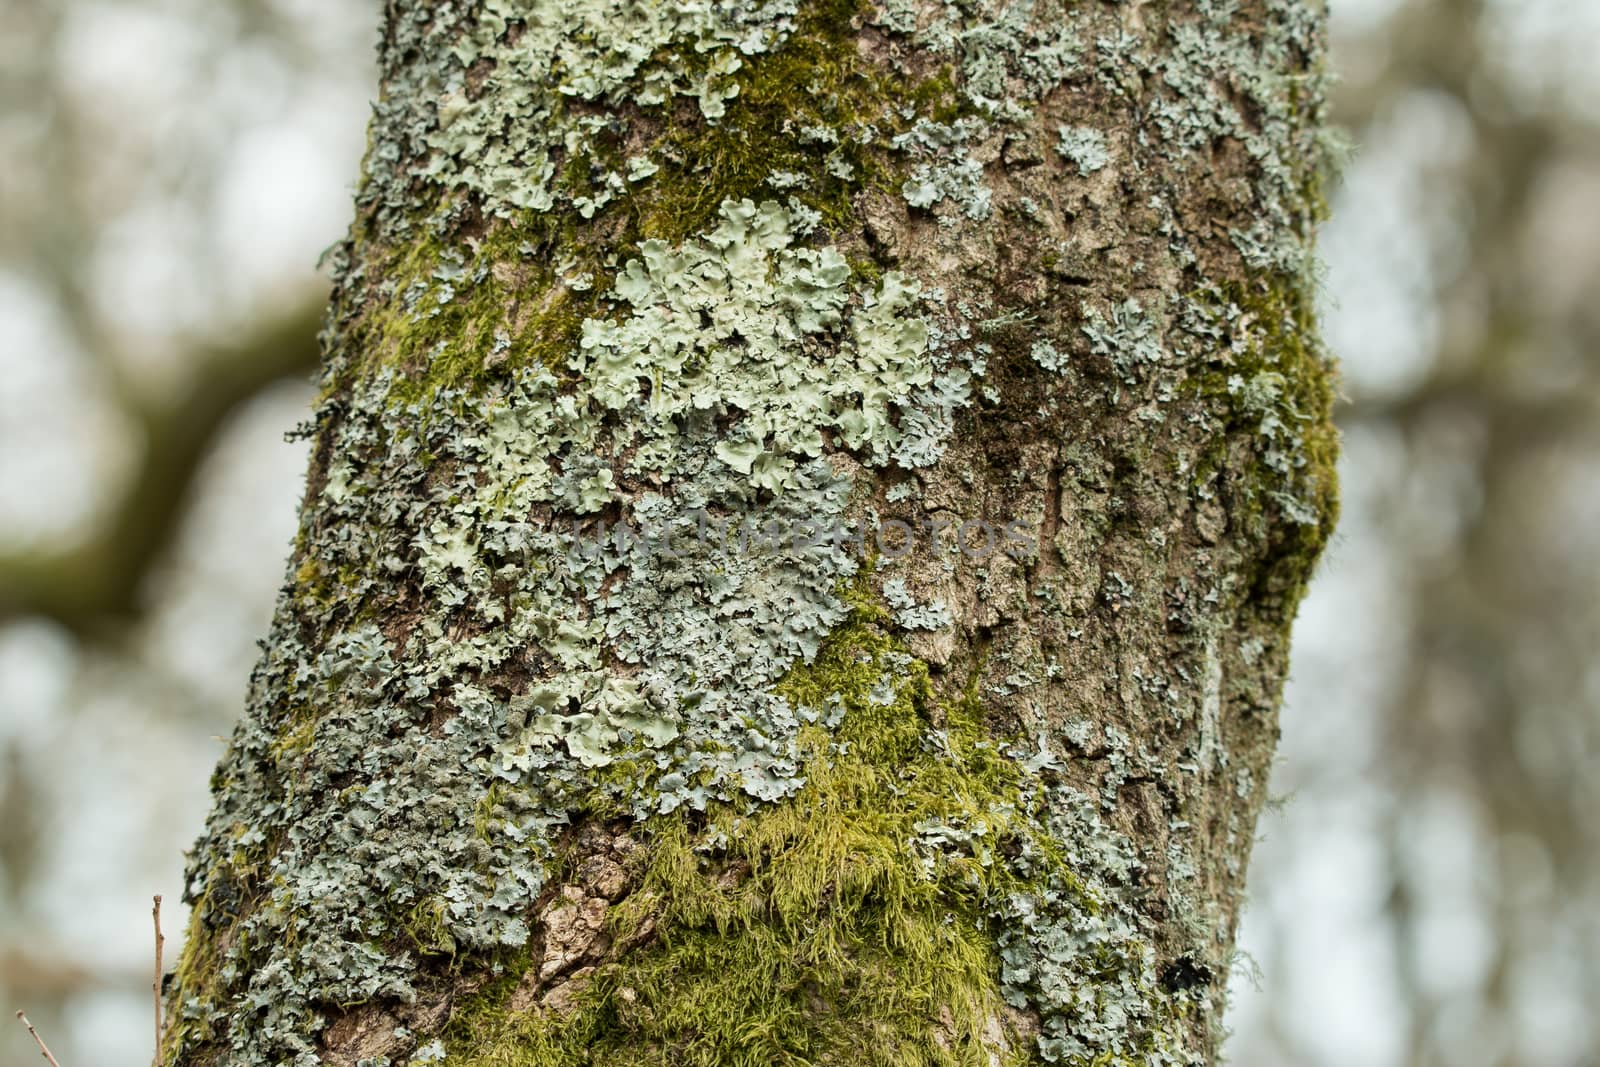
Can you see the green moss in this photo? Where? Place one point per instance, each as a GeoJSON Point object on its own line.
{"type": "Point", "coordinates": [298, 735]}
{"type": "Point", "coordinates": [1279, 388]}
{"type": "Point", "coordinates": [1314, 388]}
{"type": "Point", "coordinates": [427, 927]}
{"type": "Point", "coordinates": [808, 932]}
{"type": "Point", "coordinates": [820, 930]}
{"type": "Point", "coordinates": [817, 78]}
{"type": "Point", "coordinates": [508, 306]}
{"type": "Point", "coordinates": [486, 815]}
{"type": "Point", "coordinates": [199, 975]}
{"type": "Point", "coordinates": [504, 306]}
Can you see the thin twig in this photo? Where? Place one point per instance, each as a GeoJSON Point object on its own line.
{"type": "Point", "coordinates": [155, 986]}
{"type": "Point", "coordinates": [38, 1040]}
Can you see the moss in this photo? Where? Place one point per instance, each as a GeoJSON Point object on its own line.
{"type": "Point", "coordinates": [427, 927]}
{"type": "Point", "coordinates": [199, 975]}
{"type": "Point", "coordinates": [816, 930]}
{"type": "Point", "coordinates": [817, 78]}
{"type": "Point", "coordinates": [1290, 504]}
{"type": "Point", "coordinates": [509, 307]}
{"type": "Point", "coordinates": [329, 592]}
{"type": "Point", "coordinates": [298, 735]}
{"type": "Point", "coordinates": [485, 817]}
{"type": "Point", "coordinates": [810, 931]}
{"type": "Point", "coordinates": [461, 309]}
{"type": "Point", "coordinates": [216, 949]}
{"type": "Point", "coordinates": [1295, 547]}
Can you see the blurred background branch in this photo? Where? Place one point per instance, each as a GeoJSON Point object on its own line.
{"type": "Point", "coordinates": [93, 586]}
{"type": "Point", "coordinates": [174, 169]}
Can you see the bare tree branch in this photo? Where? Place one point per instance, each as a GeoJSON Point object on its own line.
{"type": "Point", "coordinates": [98, 583]}
{"type": "Point", "coordinates": [43, 1048]}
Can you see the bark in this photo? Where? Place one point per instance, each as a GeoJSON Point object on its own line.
{"type": "Point", "coordinates": [807, 508]}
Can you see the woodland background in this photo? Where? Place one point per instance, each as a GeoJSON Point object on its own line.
{"type": "Point", "coordinates": [1428, 891]}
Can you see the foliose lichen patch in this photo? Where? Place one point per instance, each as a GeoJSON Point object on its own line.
{"type": "Point", "coordinates": [858, 922]}
{"type": "Point", "coordinates": [624, 273]}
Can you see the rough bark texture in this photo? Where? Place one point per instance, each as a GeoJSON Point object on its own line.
{"type": "Point", "coordinates": [565, 749]}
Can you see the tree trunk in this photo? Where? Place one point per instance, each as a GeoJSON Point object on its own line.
{"type": "Point", "coordinates": [807, 508]}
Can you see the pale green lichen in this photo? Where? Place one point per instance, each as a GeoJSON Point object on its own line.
{"type": "Point", "coordinates": [924, 878]}
{"type": "Point", "coordinates": [1086, 147]}
{"type": "Point", "coordinates": [1128, 338]}
{"type": "Point", "coordinates": [469, 663]}
{"type": "Point", "coordinates": [509, 143]}
{"type": "Point", "coordinates": [742, 320]}
{"type": "Point", "coordinates": [961, 182]}
{"type": "Point", "coordinates": [676, 675]}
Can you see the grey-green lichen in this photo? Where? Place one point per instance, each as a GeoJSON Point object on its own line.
{"type": "Point", "coordinates": [744, 321]}
{"type": "Point", "coordinates": [546, 61]}
{"type": "Point", "coordinates": [1084, 146]}
{"type": "Point", "coordinates": [624, 270]}
{"type": "Point", "coordinates": [924, 879]}
{"type": "Point", "coordinates": [707, 395]}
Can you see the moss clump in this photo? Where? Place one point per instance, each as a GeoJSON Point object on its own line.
{"type": "Point", "coordinates": [453, 310]}
{"type": "Point", "coordinates": [427, 927]}
{"type": "Point", "coordinates": [816, 80]}
{"type": "Point", "coordinates": [297, 737]}
{"type": "Point", "coordinates": [1279, 387]}
{"type": "Point", "coordinates": [1291, 333]}
{"type": "Point", "coordinates": [199, 973]}
{"type": "Point", "coordinates": [468, 295]}
{"type": "Point", "coordinates": [813, 931]}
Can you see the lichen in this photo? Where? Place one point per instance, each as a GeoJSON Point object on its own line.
{"type": "Point", "coordinates": [887, 913]}
{"type": "Point", "coordinates": [661, 669]}
{"type": "Point", "coordinates": [1085, 146]}
{"type": "Point", "coordinates": [621, 272]}
{"type": "Point", "coordinates": [509, 138]}
{"type": "Point", "coordinates": [1278, 385]}
{"type": "Point", "coordinates": [744, 321]}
